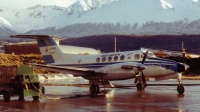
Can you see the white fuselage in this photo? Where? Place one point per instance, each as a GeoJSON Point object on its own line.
{"type": "Point", "coordinates": [110, 64]}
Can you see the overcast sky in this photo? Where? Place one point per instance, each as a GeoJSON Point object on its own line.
{"type": "Point", "coordinates": [23, 4]}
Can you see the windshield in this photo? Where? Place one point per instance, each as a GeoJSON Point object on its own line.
{"type": "Point", "coordinates": [150, 54]}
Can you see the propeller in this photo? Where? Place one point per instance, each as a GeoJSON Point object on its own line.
{"type": "Point", "coordinates": [143, 60]}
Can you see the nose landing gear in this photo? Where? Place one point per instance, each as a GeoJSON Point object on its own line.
{"type": "Point", "coordinates": [180, 88]}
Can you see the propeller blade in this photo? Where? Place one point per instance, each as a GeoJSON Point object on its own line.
{"type": "Point", "coordinates": [144, 58]}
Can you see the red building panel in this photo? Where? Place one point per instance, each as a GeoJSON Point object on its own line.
{"type": "Point", "coordinates": [19, 49]}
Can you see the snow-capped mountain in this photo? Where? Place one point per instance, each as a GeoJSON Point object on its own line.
{"type": "Point", "coordinates": [40, 17]}
{"type": "Point", "coordinates": [95, 17]}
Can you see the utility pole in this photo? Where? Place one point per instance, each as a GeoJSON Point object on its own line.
{"type": "Point", "coordinates": [115, 44]}
{"type": "Point", "coordinates": [183, 52]}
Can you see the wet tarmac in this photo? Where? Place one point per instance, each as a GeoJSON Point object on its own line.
{"type": "Point", "coordinates": [124, 98]}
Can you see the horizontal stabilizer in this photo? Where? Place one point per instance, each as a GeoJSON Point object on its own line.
{"type": "Point", "coordinates": [37, 37]}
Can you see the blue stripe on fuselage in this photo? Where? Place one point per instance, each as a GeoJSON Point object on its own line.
{"type": "Point", "coordinates": [48, 59]}
{"type": "Point", "coordinates": [172, 65]}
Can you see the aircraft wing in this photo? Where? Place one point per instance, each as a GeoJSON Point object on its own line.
{"type": "Point", "coordinates": [70, 70]}
{"type": "Point", "coordinates": [86, 71]}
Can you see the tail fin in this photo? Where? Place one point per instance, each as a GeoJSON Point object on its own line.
{"type": "Point", "coordinates": [49, 49]}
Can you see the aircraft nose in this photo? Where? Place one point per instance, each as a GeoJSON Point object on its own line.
{"type": "Point", "coordinates": [182, 67]}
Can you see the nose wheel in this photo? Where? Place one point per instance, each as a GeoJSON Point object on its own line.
{"type": "Point", "coordinates": [180, 89]}
{"type": "Point", "coordinates": [140, 86]}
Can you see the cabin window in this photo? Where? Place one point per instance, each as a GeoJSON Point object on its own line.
{"type": "Point", "coordinates": [103, 59]}
{"type": "Point", "coordinates": [97, 60]}
{"type": "Point", "coordinates": [137, 57]}
{"type": "Point", "coordinates": [122, 57]}
{"type": "Point", "coordinates": [115, 58]}
{"type": "Point", "coordinates": [109, 59]}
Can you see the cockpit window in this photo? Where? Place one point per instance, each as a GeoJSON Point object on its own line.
{"type": "Point", "coordinates": [137, 56]}
{"type": "Point", "coordinates": [150, 54]}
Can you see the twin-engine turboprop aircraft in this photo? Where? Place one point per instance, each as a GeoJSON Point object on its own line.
{"type": "Point", "coordinates": [102, 68]}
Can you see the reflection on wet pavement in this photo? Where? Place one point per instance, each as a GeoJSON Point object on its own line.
{"type": "Point", "coordinates": [124, 98]}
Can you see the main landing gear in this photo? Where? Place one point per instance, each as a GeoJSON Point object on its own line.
{"type": "Point", "coordinates": [95, 86]}
{"type": "Point", "coordinates": [180, 87]}
{"type": "Point", "coordinates": [94, 89]}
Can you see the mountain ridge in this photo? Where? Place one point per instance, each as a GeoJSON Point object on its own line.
{"type": "Point", "coordinates": [99, 17]}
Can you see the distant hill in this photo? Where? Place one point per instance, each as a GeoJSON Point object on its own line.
{"type": "Point", "coordinates": [105, 43]}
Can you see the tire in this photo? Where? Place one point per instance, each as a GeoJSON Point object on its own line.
{"type": "Point", "coordinates": [180, 89]}
{"type": "Point", "coordinates": [6, 96]}
{"type": "Point", "coordinates": [140, 86]}
{"type": "Point", "coordinates": [35, 98]}
{"type": "Point", "coordinates": [94, 89]}
{"type": "Point", "coordinates": [97, 89]}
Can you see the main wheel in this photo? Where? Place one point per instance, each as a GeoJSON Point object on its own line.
{"type": "Point", "coordinates": [180, 89]}
{"type": "Point", "coordinates": [140, 86]}
{"type": "Point", "coordinates": [94, 89]}
{"type": "Point", "coordinates": [97, 89]}
{"type": "Point", "coordinates": [6, 96]}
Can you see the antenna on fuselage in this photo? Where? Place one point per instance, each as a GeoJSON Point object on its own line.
{"type": "Point", "coordinates": [115, 48]}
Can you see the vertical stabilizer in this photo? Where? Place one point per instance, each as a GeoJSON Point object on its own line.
{"type": "Point", "coordinates": [49, 48]}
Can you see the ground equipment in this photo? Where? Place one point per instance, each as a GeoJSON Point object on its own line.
{"type": "Point", "coordinates": [20, 81]}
